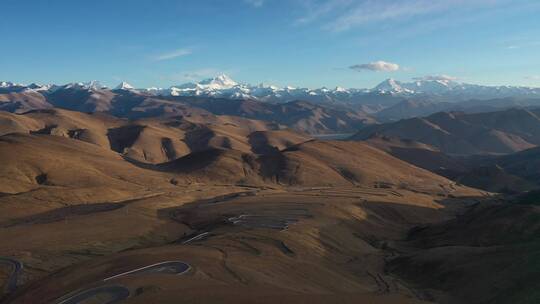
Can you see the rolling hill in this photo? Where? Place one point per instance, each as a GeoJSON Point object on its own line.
{"type": "Point", "coordinates": [467, 134]}
{"type": "Point", "coordinates": [31, 162]}
{"type": "Point", "coordinates": [151, 140]}
{"type": "Point", "coordinates": [298, 115]}
{"type": "Point", "coordinates": [508, 174]}
{"type": "Point", "coordinates": [499, 238]}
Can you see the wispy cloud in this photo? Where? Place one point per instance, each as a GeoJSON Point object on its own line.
{"type": "Point", "coordinates": [523, 45]}
{"type": "Point", "coordinates": [315, 10]}
{"type": "Point", "coordinates": [377, 66]}
{"type": "Point", "coordinates": [532, 77]}
{"type": "Point", "coordinates": [172, 54]}
{"type": "Point", "coordinates": [437, 78]}
{"type": "Point", "coordinates": [342, 15]}
{"type": "Point", "coordinates": [255, 3]}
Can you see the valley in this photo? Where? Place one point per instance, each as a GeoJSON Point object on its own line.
{"type": "Point", "coordinates": [219, 208]}
{"type": "Point", "coordinates": [270, 152]}
{"type": "Point", "coordinates": [129, 197]}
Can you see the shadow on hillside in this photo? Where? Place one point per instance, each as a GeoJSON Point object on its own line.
{"type": "Point", "coordinates": [488, 254]}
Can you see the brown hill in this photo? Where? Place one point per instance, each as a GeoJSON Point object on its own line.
{"type": "Point", "coordinates": [410, 108]}
{"type": "Point", "coordinates": [265, 142]}
{"type": "Point", "coordinates": [453, 257]}
{"type": "Point", "coordinates": [161, 140]}
{"type": "Point", "coordinates": [494, 174]}
{"type": "Point", "coordinates": [29, 161]}
{"type": "Point", "coordinates": [521, 169]}
{"type": "Point", "coordinates": [310, 164]}
{"type": "Point", "coordinates": [23, 101]}
{"type": "Point", "coordinates": [465, 134]}
{"type": "Point", "coordinates": [418, 154]}
{"type": "Point", "coordinates": [300, 116]}
{"type": "Point", "coordinates": [150, 140]}
{"type": "Point", "coordinates": [90, 128]}
{"type": "Point", "coordinates": [120, 103]}
{"type": "Point", "coordinates": [84, 100]}
{"type": "Point", "coordinates": [217, 166]}
{"type": "Point", "coordinates": [237, 150]}
{"type": "Point", "coordinates": [215, 152]}
{"type": "Point", "coordinates": [319, 163]}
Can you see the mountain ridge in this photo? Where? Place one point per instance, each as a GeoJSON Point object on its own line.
{"type": "Point", "coordinates": [222, 86]}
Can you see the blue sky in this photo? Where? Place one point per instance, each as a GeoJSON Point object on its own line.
{"type": "Point", "coordinates": [307, 43]}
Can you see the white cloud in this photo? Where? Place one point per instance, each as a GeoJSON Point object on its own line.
{"type": "Point", "coordinates": [172, 54]}
{"type": "Point", "coordinates": [255, 3]}
{"type": "Point", "coordinates": [533, 77]}
{"type": "Point", "coordinates": [377, 66]}
{"type": "Point", "coordinates": [436, 78]}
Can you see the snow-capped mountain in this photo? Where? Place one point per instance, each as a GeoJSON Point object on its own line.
{"type": "Point", "coordinates": [456, 90]}
{"type": "Point", "coordinates": [91, 85]}
{"type": "Point", "coordinates": [442, 87]}
{"type": "Point", "coordinates": [392, 86]}
{"type": "Point", "coordinates": [16, 87]}
{"type": "Point", "coordinates": [223, 86]}
{"type": "Point", "coordinates": [38, 87]}
{"type": "Point", "coordinates": [220, 86]}
{"type": "Point", "coordinates": [8, 84]}
{"type": "Point", "coordinates": [124, 86]}
{"type": "Point", "coordinates": [430, 85]}
{"type": "Point", "coordinates": [221, 82]}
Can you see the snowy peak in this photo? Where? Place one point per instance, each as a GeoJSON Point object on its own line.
{"type": "Point", "coordinates": [391, 86]}
{"type": "Point", "coordinates": [222, 86]}
{"type": "Point", "coordinates": [37, 87]}
{"type": "Point", "coordinates": [426, 85]}
{"type": "Point", "coordinates": [213, 87]}
{"type": "Point", "coordinates": [10, 85]}
{"type": "Point", "coordinates": [124, 86]}
{"type": "Point", "coordinates": [91, 85]}
{"type": "Point", "coordinates": [16, 87]}
{"type": "Point", "coordinates": [7, 84]}
{"type": "Point", "coordinates": [449, 87]}
{"type": "Point", "coordinates": [219, 82]}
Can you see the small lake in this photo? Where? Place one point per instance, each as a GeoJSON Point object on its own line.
{"type": "Point", "coordinates": [337, 136]}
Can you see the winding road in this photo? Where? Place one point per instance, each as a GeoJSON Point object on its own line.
{"type": "Point", "coordinates": [109, 294]}
{"type": "Point", "coordinates": [112, 294]}
{"type": "Point", "coordinates": [17, 267]}
{"type": "Point", "coordinates": [169, 267]}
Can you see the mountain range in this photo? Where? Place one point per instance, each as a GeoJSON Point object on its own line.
{"type": "Point", "coordinates": [316, 111]}
{"type": "Point", "coordinates": [246, 207]}
{"type": "Point", "coordinates": [222, 86]}
{"type": "Point", "coordinates": [238, 201]}
{"type": "Point", "coordinates": [126, 102]}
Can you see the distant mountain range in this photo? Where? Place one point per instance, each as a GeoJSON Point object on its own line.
{"type": "Point", "coordinates": [222, 86]}
{"type": "Point", "coordinates": [126, 102]}
{"type": "Point", "coordinates": [316, 111]}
